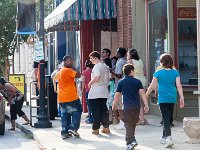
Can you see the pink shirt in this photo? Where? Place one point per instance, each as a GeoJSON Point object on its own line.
{"type": "Point", "coordinates": [87, 74]}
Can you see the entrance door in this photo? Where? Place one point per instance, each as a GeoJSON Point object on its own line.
{"type": "Point", "coordinates": [157, 31]}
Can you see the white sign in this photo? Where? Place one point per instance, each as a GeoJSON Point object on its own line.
{"type": "Point", "coordinates": [39, 52]}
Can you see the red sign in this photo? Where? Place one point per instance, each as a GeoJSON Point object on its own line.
{"type": "Point", "coordinates": [187, 12]}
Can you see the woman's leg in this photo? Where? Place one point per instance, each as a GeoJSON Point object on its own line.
{"type": "Point", "coordinates": [19, 105]}
{"type": "Point", "coordinates": [13, 116]}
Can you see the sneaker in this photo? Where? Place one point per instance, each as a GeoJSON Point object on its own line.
{"type": "Point", "coordinates": [162, 140]}
{"type": "Point", "coordinates": [120, 127]}
{"type": "Point", "coordinates": [172, 125]}
{"type": "Point", "coordinates": [105, 130]}
{"type": "Point", "coordinates": [169, 142]}
{"type": "Point", "coordinates": [95, 132]}
{"type": "Point", "coordinates": [132, 145]}
{"type": "Point", "coordinates": [73, 132]}
{"type": "Point", "coordinates": [65, 136]}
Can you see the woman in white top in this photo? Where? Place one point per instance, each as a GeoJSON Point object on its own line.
{"type": "Point", "coordinates": [133, 58]}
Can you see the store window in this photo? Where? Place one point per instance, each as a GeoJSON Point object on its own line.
{"type": "Point", "coordinates": [187, 45]}
{"type": "Point", "coordinates": [158, 32]}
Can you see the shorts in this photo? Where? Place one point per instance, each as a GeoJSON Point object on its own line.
{"type": "Point", "coordinates": [35, 64]}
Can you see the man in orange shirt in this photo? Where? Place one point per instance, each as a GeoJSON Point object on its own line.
{"type": "Point", "coordinates": [71, 108]}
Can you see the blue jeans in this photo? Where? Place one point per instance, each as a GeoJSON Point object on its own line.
{"type": "Point", "coordinates": [90, 119]}
{"type": "Point", "coordinates": [70, 115]}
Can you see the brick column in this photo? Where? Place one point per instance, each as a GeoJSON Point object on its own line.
{"type": "Point", "coordinates": [124, 22]}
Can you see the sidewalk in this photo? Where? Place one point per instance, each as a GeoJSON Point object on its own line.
{"type": "Point", "coordinates": [147, 136]}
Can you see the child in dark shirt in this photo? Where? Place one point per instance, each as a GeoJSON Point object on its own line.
{"type": "Point", "coordinates": [131, 89]}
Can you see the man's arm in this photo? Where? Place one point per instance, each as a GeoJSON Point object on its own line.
{"type": "Point", "coordinates": [116, 99]}
{"type": "Point", "coordinates": [78, 74]}
{"type": "Point", "coordinates": [82, 83]}
{"type": "Point", "coordinates": [115, 74]}
{"type": "Point", "coordinates": [95, 79]}
{"type": "Point", "coordinates": [55, 78]}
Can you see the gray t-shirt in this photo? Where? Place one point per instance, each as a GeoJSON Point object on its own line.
{"type": "Point", "coordinates": [119, 68]}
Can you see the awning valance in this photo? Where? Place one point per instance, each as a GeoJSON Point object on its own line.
{"type": "Point", "coordinates": [91, 10]}
{"type": "Point", "coordinates": [57, 16]}
{"type": "Point", "coordinates": [72, 10]}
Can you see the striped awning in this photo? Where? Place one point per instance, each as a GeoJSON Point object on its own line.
{"type": "Point", "coordinates": [92, 10]}
{"type": "Point", "coordinates": [82, 10]}
{"type": "Point", "coordinates": [57, 16]}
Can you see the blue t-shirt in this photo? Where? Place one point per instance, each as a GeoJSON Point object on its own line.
{"type": "Point", "coordinates": [129, 87]}
{"type": "Point", "coordinates": [167, 92]}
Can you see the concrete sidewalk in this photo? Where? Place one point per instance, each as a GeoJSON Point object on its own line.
{"type": "Point", "coordinates": [147, 136]}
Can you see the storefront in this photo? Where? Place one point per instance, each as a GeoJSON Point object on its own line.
{"type": "Point", "coordinates": [88, 19]}
{"type": "Point", "coordinates": [172, 27]}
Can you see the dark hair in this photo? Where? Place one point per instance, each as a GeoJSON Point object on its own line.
{"type": "Point", "coordinates": [66, 57]}
{"type": "Point", "coordinates": [95, 54]}
{"type": "Point", "coordinates": [115, 58]}
{"type": "Point", "coordinates": [122, 51]}
{"type": "Point", "coordinates": [2, 81]}
{"type": "Point", "coordinates": [166, 60]}
{"type": "Point", "coordinates": [127, 69]}
{"type": "Point", "coordinates": [89, 64]}
{"type": "Point", "coordinates": [107, 50]}
{"type": "Point", "coordinates": [134, 54]}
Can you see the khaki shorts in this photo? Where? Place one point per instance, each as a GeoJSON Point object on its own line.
{"type": "Point", "coordinates": [119, 105]}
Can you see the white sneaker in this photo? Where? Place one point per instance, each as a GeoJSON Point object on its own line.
{"type": "Point", "coordinates": [162, 140]}
{"type": "Point", "coordinates": [132, 145]}
{"type": "Point", "coordinates": [119, 124]}
{"type": "Point", "coordinates": [120, 127]}
{"type": "Point", "coordinates": [169, 142]}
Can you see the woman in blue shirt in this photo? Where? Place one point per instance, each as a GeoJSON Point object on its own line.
{"type": "Point", "coordinates": [167, 80]}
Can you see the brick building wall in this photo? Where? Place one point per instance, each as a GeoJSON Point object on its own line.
{"type": "Point", "coordinates": [125, 24]}
{"type": "Point", "coordinates": [109, 41]}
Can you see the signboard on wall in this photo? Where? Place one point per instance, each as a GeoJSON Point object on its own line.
{"type": "Point", "coordinates": [18, 80]}
{"type": "Point", "coordinates": [38, 51]}
{"type": "Point", "coordinates": [187, 12]}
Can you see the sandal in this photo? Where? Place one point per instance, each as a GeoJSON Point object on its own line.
{"type": "Point", "coordinates": [144, 122]}
{"type": "Point", "coordinates": [26, 123]}
{"type": "Point", "coordinates": [11, 129]}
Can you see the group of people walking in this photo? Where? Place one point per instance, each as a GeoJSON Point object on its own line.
{"type": "Point", "coordinates": [127, 97]}
{"type": "Point", "coordinates": [118, 83]}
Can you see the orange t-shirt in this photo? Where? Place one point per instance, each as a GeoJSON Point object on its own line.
{"type": "Point", "coordinates": [67, 91]}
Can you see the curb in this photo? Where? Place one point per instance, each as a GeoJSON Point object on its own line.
{"type": "Point", "coordinates": [28, 133]}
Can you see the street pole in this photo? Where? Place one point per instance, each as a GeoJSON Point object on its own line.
{"type": "Point", "coordinates": [43, 118]}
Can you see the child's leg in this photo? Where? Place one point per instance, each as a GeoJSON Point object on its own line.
{"type": "Point", "coordinates": [130, 118]}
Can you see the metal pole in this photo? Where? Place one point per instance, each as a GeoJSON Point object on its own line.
{"type": "Point", "coordinates": [43, 118]}
{"type": "Point", "coordinates": [198, 50]}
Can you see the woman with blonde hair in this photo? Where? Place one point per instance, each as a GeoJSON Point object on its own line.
{"type": "Point", "coordinates": [133, 58]}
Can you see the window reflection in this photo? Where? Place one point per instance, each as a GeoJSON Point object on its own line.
{"type": "Point", "coordinates": [187, 51]}
{"type": "Point", "coordinates": [158, 32]}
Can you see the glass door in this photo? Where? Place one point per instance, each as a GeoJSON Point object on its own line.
{"type": "Point", "coordinates": [158, 32]}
